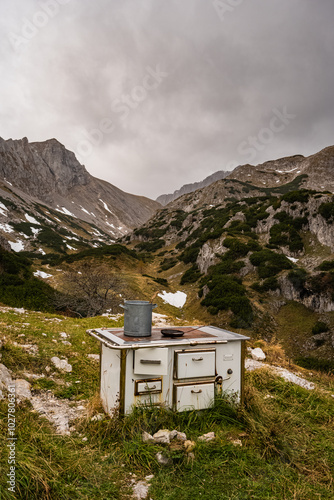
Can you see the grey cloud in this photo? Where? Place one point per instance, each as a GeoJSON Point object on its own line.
{"type": "Point", "coordinates": [224, 79]}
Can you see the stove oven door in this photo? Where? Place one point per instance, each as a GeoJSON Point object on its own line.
{"type": "Point", "coordinates": [193, 396]}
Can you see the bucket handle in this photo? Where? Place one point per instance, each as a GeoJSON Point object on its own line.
{"type": "Point", "coordinates": [154, 306]}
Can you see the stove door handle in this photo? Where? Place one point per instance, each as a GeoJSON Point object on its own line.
{"type": "Point", "coordinates": [196, 392]}
{"type": "Point", "coordinates": [148, 388]}
{"type": "Point", "coordinates": [198, 359]}
{"type": "Point", "coordinates": [150, 361]}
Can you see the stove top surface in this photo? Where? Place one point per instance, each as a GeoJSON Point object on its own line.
{"type": "Point", "coordinates": [192, 335]}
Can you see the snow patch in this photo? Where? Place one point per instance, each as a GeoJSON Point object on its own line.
{"type": "Point", "coordinates": [84, 210]}
{"type": "Point", "coordinates": [105, 206]}
{"type": "Point", "coordinates": [32, 220]}
{"type": "Point", "coordinates": [65, 211]}
{"type": "Point", "coordinates": [6, 228]}
{"type": "Point", "coordinates": [41, 251]}
{"type": "Point", "coordinates": [42, 274]}
{"type": "Point", "coordinates": [35, 230]}
{"type": "Point", "coordinates": [17, 246]}
{"type": "Point", "coordinates": [3, 209]}
{"type": "Point", "coordinates": [293, 259]}
{"type": "Point", "coordinates": [177, 299]}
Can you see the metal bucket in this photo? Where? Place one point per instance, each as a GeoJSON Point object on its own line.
{"type": "Point", "coordinates": [138, 318]}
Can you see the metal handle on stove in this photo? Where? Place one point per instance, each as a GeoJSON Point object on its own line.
{"type": "Point", "coordinates": [150, 361]}
{"type": "Point", "coordinates": [196, 392]}
{"type": "Point", "coordinates": [198, 359]}
{"type": "Point", "coordinates": [148, 388]}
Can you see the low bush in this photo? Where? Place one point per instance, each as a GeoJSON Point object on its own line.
{"type": "Point", "coordinates": [320, 327]}
{"type": "Point", "coordinates": [269, 263]}
{"type": "Point", "coordinates": [191, 275]}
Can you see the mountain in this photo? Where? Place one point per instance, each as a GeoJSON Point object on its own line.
{"type": "Point", "coordinates": [42, 183]}
{"type": "Point", "coordinates": [319, 169]}
{"type": "Point", "coordinates": [164, 199]}
{"type": "Point", "coordinates": [255, 255]}
{"type": "Point", "coordinates": [272, 173]}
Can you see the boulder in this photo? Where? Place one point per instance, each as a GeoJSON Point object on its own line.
{"type": "Point", "coordinates": [257, 354]}
{"type": "Point", "coordinates": [22, 390]}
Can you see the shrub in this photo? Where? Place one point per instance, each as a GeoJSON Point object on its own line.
{"type": "Point", "coordinates": [298, 278]}
{"type": "Point", "coordinates": [326, 210]}
{"type": "Point", "coordinates": [150, 246]}
{"type": "Point", "coordinates": [319, 327]}
{"type": "Point", "coordinates": [269, 263]}
{"type": "Point", "coordinates": [268, 284]}
{"type": "Point", "coordinates": [301, 196]}
{"type": "Point", "coordinates": [327, 265]}
{"type": "Point", "coordinates": [191, 275]}
{"type": "Point", "coordinates": [189, 255]}
{"type": "Point", "coordinates": [228, 293]}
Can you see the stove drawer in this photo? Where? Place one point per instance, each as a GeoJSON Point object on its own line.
{"type": "Point", "coordinates": [148, 386]}
{"type": "Point", "coordinates": [151, 361]}
{"type": "Point", "coordinates": [193, 397]}
{"type": "Point", "coordinates": [195, 363]}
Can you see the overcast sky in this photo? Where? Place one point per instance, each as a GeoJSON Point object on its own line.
{"type": "Point", "coordinates": [153, 94]}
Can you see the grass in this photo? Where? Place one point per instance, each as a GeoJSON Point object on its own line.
{"type": "Point", "coordinates": [287, 432]}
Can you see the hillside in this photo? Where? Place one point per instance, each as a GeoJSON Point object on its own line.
{"type": "Point", "coordinates": [319, 169]}
{"type": "Point", "coordinates": [278, 446]}
{"type": "Point", "coordinates": [249, 257]}
{"type": "Point", "coordinates": [44, 190]}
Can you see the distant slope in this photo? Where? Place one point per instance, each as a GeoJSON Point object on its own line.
{"type": "Point", "coordinates": [164, 199]}
{"type": "Point", "coordinates": [319, 169]}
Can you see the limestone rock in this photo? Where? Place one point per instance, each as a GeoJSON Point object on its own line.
{"type": "Point", "coordinates": [189, 445]}
{"type": "Point", "coordinates": [95, 357]}
{"type": "Point", "coordinates": [5, 377]}
{"type": "Point", "coordinates": [257, 354]}
{"type": "Point", "coordinates": [162, 459]}
{"type": "Point", "coordinates": [147, 438]}
{"type": "Point", "coordinates": [162, 436]}
{"type": "Point", "coordinates": [61, 364]}
{"type": "Point", "coordinates": [210, 436]}
{"type": "Point", "coordinates": [140, 490]}
{"type": "Point", "coordinates": [179, 436]}
{"type": "Point", "coordinates": [22, 390]}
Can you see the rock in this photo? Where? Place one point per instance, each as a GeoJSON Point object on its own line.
{"type": "Point", "coordinates": [257, 354]}
{"type": "Point", "coordinates": [149, 478]}
{"type": "Point", "coordinates": [63, 335]}
{"type": "Point", "coordinates": [140, 490]}
{"type": "Point", "coordinates": [162, 459]}
{"type": "Point", "coordinates": [147, 438]}
{"type": "Point", "coordinates": [61, 364]}
{"type": "Point", "coordinates": [5, 377]}
{"type": "Point", "coordinates": [66, 342]}
{"type": "Point", "coordinates": [97, 418]}
{"type": "Point", "coordinates": [179, 436]}
{"type": "Point", "coordinates": [236, 442]}
{"type": "Point", "coordinates": [162, 436]}
{"type": "Point", "coordinates": [95, 357]}
{"type": "Point", "coordinates": [189, 445]}
{"type": "Point", "coordinates": [22, 390]}
{"type": "Point", "coordinates": [84, 439]}
{"type": "Point", "coordinates": [210, 436]}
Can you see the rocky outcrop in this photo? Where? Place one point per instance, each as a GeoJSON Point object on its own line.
{"type": "Point", "coordinates": [208, 254]}
{"type": "Point", "coordinates": [319, 302]}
